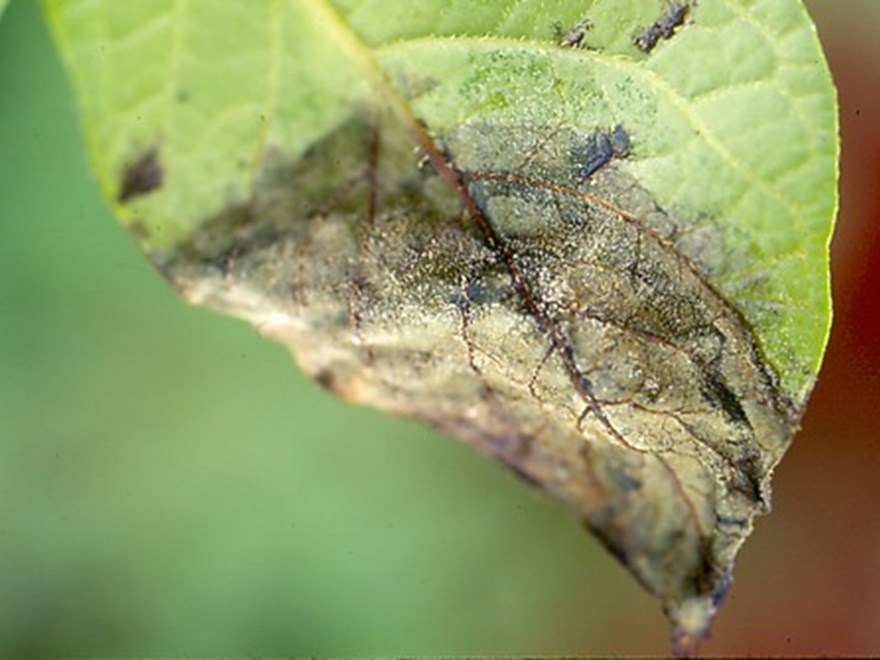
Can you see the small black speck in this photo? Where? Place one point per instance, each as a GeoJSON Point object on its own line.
{"type": "Point", "coordinates": [141, 177]}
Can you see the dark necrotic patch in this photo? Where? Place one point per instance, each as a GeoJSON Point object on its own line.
{"type": "Point", "coordinates": [458, 312]}
{"type": "Point", "coordinates": [601, 147]}
{"type": "Point", "coordinates": [719, 396]}
{"type": "Point", "coordinates": [664, 27]}
{"type": "Point", "coordinates": [141, 177]}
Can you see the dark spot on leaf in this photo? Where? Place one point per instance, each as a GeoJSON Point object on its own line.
{"type": "Point", "coordinates": [141, 177]}
{"type": "Point", "coordinates": [327, 380]}
{"type": "Point", "coordinates": [601, 147]}
{"type": "Point", "coordinates": [664, 27]}
{"type": "Point", "coordinates": [721, 398]}
{"type": "Point", "coordinates": [575, 36]}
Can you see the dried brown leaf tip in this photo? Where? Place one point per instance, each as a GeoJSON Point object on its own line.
{"type": "Point", "coordinates": [665, 26]}
{"type": "Point", "coordinates": [556, 329]}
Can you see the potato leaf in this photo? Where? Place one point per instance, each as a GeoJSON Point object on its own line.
{"type": "Point", "coordinates": [588, 238]}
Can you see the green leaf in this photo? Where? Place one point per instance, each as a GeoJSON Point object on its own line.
{"type": "Point", "coordinates": [3, 4]}
{"type": "Point", "coordinates": [604, 265]}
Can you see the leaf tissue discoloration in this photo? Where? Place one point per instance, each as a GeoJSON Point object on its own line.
{"type": "Point", "coordinates": [141, 177]}
{"type": "Point", "coordinates": [557, 328]}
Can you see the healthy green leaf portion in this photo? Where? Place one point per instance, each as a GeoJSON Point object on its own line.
{"type": "Point", "coordinates": [613, 332]}
{"type": "Point", "coordinates": [160, 76]}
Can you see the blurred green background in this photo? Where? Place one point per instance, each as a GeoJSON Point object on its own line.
{"type": "Point", "coordinates": [170, 484]}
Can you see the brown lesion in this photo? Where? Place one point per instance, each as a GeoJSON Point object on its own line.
{"type": "Point", "coordinates": [413, 250]}
{"type": "Point", "coordinates": [561, 345]}
{"type": "Point", "coordinates": [559, 341]}
{"type": "Point", "coordinates": [643, 231]}
{"type": "Point", "coordinates": [704, 356]}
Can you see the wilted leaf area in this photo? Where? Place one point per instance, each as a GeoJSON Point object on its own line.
{"type": "Point", "coordinates": [560, 322]}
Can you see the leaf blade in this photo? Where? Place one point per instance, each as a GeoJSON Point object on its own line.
{"type": "Point", "coordinates": [750, 222]}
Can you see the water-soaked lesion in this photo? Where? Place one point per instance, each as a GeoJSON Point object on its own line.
{"type": "Point", "coordinates": [552, 322]}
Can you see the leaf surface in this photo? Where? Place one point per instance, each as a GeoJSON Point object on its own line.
{"type": "Point", "coordinates": [605, 267]}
